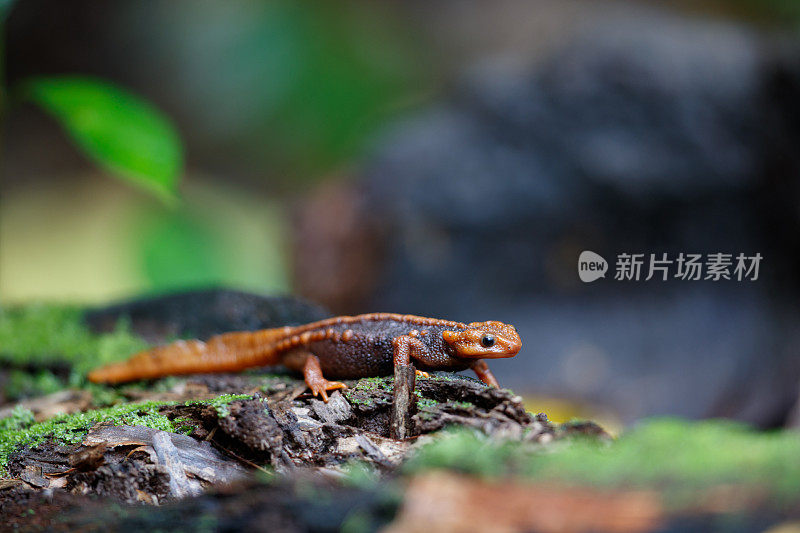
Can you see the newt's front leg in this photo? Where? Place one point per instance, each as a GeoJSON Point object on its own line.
{"type": "Point", "coordinates": [407, 347]}
{"type": "Point", "coordinates": [316, 381]}
{"type": "Point", "coordinates": [481, 369]}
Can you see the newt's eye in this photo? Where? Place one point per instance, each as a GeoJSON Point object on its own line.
{"type": "Point", "coordinates": [487, 341]}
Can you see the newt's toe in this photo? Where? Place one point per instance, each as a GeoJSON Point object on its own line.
{"type": "Point", "coordinates": [421, 374]}
{"type": "Point", "coordinates": [321, 389]}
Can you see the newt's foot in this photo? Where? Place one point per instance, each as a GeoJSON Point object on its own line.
{"type": "Point", "coordinates": [316, 381]}
{"type": "Point", "coordinates": [421, 374]}
{"type": "Point", "coordinates": [321, 387]}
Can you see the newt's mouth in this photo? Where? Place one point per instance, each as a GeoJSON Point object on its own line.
{"type": "Point", "coordinates": [492, 355]}
{"type": "Point", "coordinates": [506, 350]}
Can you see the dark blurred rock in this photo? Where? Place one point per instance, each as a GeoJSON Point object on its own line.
{"type": "Point", "coordinates": [205, 313]}
{"type": "Point", "coordinates": [641, 136]}
{"type": "Point", "coordinates": [647, 135]}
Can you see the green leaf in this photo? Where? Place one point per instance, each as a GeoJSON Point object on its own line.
{"type": "Point", "coordinates": [119, 131]}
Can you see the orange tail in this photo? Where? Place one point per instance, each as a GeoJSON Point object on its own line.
{"type": "Point", "coordinates": [224, 353]}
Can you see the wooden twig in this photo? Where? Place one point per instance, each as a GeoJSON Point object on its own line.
{"type": "Point", "coordinates": [403, 406]}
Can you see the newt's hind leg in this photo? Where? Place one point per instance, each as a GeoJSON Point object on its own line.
{"type": "Point", "coordinates": [316, 381]}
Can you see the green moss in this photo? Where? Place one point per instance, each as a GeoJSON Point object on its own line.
{"type": "Point", "coordinates": [465, 451]}
{"type": "Point", "coordinates": [356, 399]}
{"type": "Point", "coordinates": [360, 474]}
{"type": "Point", "coordinates": [184, 425]}
{"type": "Point", "coordinates": [220, 403]}
{"type": "Point", "coordinates": [425, 403]}
{"type": "Point", "coordinates": [374, 384]}
{"type": "Point", "coordinates": [426, 415]}
{"type": "Point", "coordinates": [69, 429]}
{"type": "Point", "coordinates": [42, 335]}
{"type": "Point", "coordinates": [366, 385]}
{"type": "Point", "coordinates": [20, 418]}
{"type": "Point", "coordinates": [356, 393]}
{"type": "Point", "coordinates": [20, 430]}
{"type": "Point", "coordinates": [677, 452]}
{"type": "Point", "coordinates": [677, 456]}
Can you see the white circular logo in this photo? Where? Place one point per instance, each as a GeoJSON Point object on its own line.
{"type": "Point", "coordinates": [591, 266]}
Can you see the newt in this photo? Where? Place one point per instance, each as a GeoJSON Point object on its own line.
{"type": "Point", "coordinates": [342, 347]}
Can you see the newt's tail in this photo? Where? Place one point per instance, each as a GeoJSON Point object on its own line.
{"type": "Point", "coordinates": [224, 353]}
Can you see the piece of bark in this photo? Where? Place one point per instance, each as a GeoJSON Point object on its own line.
{"type": "Point", "coordinates": [336, 410]}
{"type": "Point", "coordinates": [51, 459]}
{"type": "Point", "coordinates": [88, 458]}
{"type": "Point", "coordinates": [373, 451]}
{"type": "Point", "coordinates": [199, 459]}
{"type": "Point", "coordinates": [169, 457]}
{"type": "Point", "coordinates": [251, 424]}
{"type": "Point", "coordinates": [32, 475]}
{"type": "Point", "coordinates": [403, 405]}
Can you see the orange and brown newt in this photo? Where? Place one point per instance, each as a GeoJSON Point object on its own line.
{"type": "Point", "coordinates": [341, 347]}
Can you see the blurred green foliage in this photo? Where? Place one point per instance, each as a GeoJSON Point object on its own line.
{"type": "Point", "coordinates": [21, 384]}
{"type": "Point", "coordinates": [289, 89]}
{"type": "Point", "coordinates": [677, 456]}
{"type": "Point", "coordinates": [215, 237]}
{"type": "Point", "coordinates": [42, 335]}
{"type": "Point", "coordinates": [279, 91]}
{"type": "Point", "coordinates": [352, 71]}
{"type": "Point", "coordinates": [119, 131]}
{"type": "Point", "coordinates": [180, 249]}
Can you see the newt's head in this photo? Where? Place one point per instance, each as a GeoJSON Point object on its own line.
{"type": "Point", "coordinates": [484, 340]}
